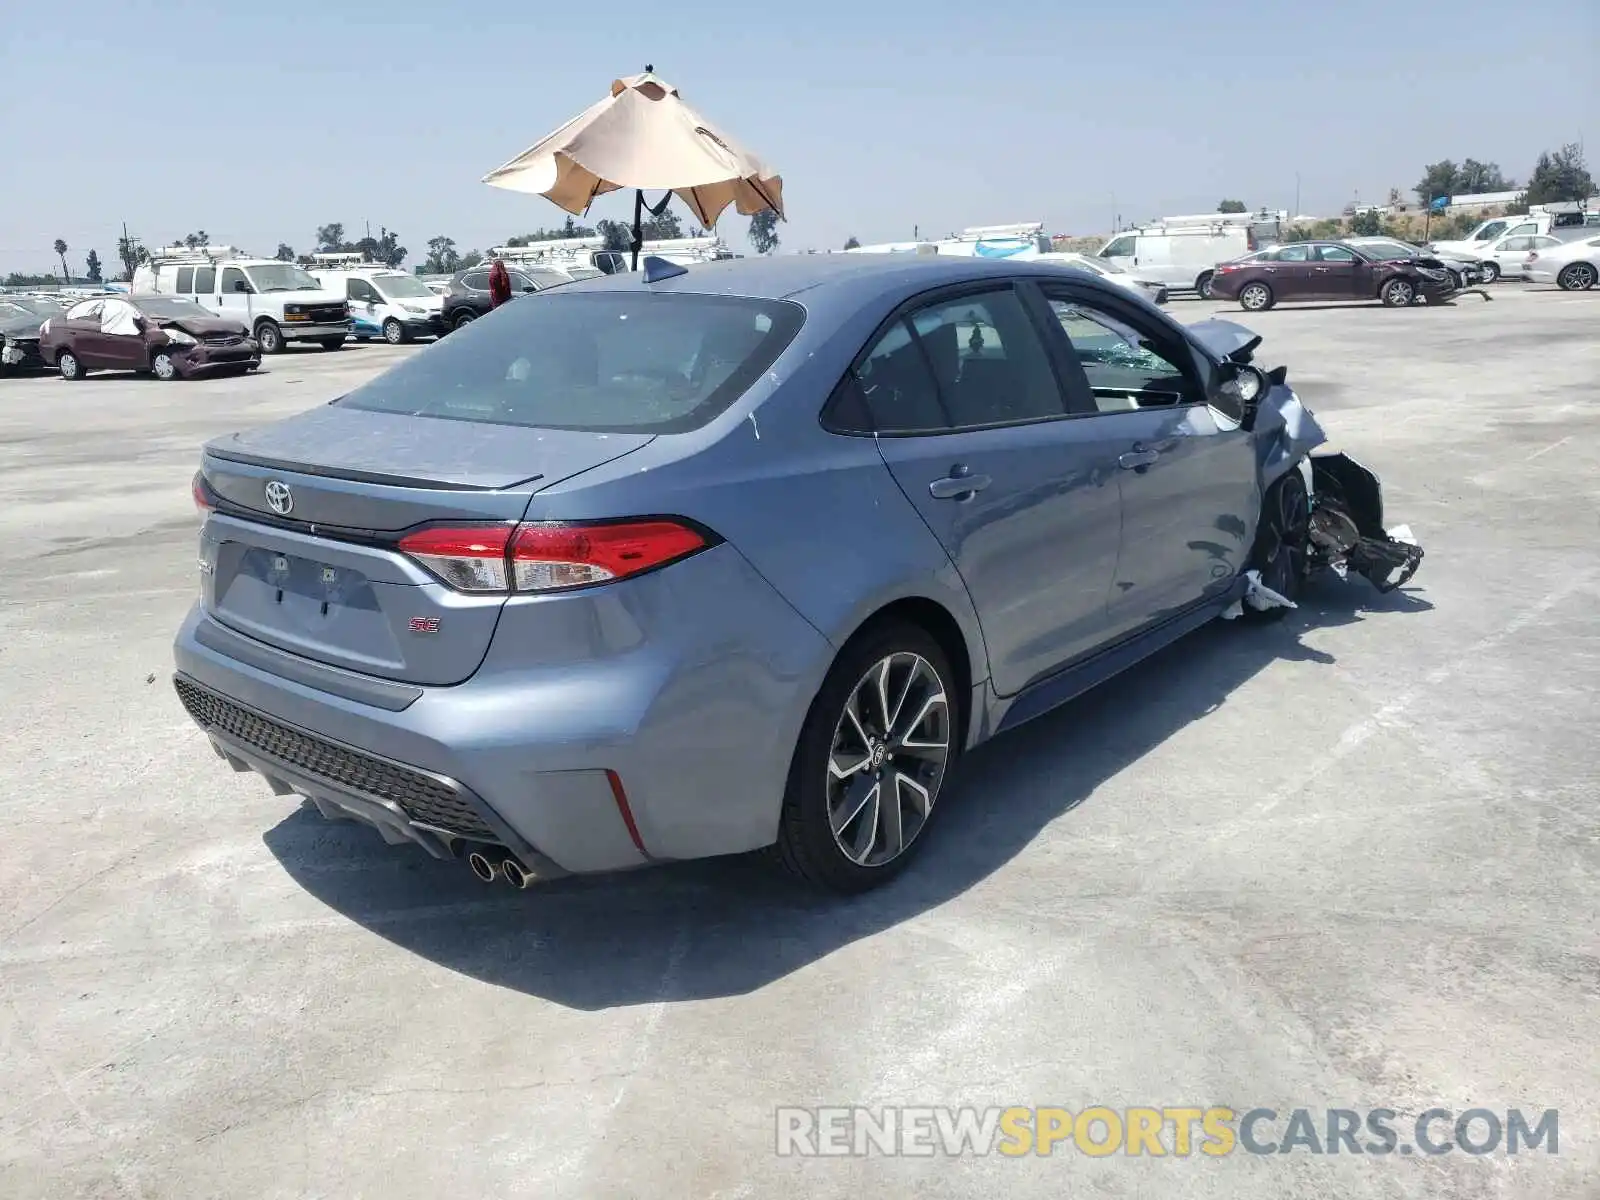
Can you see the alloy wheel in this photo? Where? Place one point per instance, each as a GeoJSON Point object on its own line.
{"type": "Point", "coordinates": [1577, 277]}
{"type": "Point", "coordinates": [1401, 293]}
{"type": "Point", "coordinates": [887, 759]}
{"type": "Point", "coordinates": [1491, 272]}
{"type": "Point", "coordinates": [1254, 297]}
{"type": "Point", "coordinates": [67, 363]}
{"type": "Point", "coordinates": [393, 333]}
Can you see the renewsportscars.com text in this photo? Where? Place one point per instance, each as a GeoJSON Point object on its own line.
{"type": "Point", "coordinates": [1179, 1131]}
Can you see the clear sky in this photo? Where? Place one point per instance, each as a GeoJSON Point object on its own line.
{"type": "Point", "coordinates": [258, 127]}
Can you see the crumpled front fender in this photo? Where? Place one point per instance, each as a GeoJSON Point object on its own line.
{"type": "Point", "coordinates": [1284, 431]}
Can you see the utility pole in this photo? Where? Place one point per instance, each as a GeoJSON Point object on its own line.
{"type": "Point", "coordinates": [1296, 212]}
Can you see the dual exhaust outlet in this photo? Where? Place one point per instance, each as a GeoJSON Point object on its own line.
{"type": "Point", "coordinates": [506, 867]}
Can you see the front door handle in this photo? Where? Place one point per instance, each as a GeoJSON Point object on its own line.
{"type": "Point", "coordinates": [1321, 270]}
{"type": "Point", "coordinates": [958, 485]}
{"type": "Point", "coordinates": [1137, 460]}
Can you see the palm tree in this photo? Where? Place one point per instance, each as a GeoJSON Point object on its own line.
{"type": "Point", "coordinates": [61, 252]}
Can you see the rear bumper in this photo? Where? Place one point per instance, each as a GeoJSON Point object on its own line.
{"type": "Point", "coordinates": [602, 733]}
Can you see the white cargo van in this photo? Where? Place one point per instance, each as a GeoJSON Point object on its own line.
{"type": "Point", "coordinates": [383, 302]}
{"type": "Point", "coordinates": [279, 301]}
{"type": "Point", "coordinates": [1182, 252]}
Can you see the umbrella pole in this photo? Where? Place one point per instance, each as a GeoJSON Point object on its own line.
{"type": "Point", "coordinates": [638, 225]}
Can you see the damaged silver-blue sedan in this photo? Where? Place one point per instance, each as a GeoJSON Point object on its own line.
{"type": "Point", "coordinates": [694, 561]}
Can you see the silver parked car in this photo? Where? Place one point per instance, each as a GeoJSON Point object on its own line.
{"type": "Point", "coordinates": [693, 561]}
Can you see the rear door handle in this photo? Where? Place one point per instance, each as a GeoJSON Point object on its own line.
{"type": "Point", "coordinates": [1137, 460]}
{"type": "Point", "coordinates": [958, 486]}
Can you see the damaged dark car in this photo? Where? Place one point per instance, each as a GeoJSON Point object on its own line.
{"type": "Point", "coordinates": [170, 337]}
{"type": "Point", "coordinates": [20, 318]}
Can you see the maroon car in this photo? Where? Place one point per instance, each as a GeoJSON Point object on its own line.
{"type": "Point", "coordinates": [169, 336]}
{"type": "Point", "coordinates": [1328, 271]}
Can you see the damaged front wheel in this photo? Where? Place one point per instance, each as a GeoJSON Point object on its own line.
{"type": "Point", "coordinates": [1282, 549]}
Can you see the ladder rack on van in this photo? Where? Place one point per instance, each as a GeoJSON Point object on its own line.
{"type": "Point", "coordinates": [203, 255]}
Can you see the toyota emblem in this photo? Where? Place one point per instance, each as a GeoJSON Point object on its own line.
{"type": "Point", "coordinates": [279, 498]}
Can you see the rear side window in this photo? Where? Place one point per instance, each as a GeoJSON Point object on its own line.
{"type": "Point", "coordinates": [185, 280]}
{"type": "Point", "coordinates": [205, 280]}
{"type": "Point", "coordinates": [477, 281]}
{"type": "Point", "coordinates": [605, 362]}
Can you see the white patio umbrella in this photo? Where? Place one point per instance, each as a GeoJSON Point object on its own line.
{"type": "Point", "coordinates": [643, 136]}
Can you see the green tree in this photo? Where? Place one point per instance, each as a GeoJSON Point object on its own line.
{"type": "Point", "coordinates": [385, 248]}
{"type": "Point", "coordinates": [659, 229]}
{"type": "Point", "coordinates": [851, 243]}
{"type": "Point", "coordinates": [1232, 206]}
{"type": "Point", "coordinates": [1473, 178]}
{"type": "Point", "coordinates": [442, 257]}
{"type": "Point", "coordinates": [1438, 179]}
{"type": "Point", "coordinates": [1558, 175]}
{"type": "Point", "coordinates": [330, 238]}
{"type": "Point", "coordinates": [1366, 224]}
{"type": "Point", "coordinates": [91, 267]}
{"type": "Point", "coordinates": [61, 253]}
{"type": "Point", "coordinates": [764, 231]}
{"type": "Point", "coordinates": [471, 259]}
{"type": "Point", "coordinates": [18, 279]}
{"type": "Point", "coordinates": [617, 235]}
{"type": "Point", "coordinates": [133, 254]}
{"type": "Point", "coordinates": [285, 252]}
{"type": "Point", "coordinates": [195, 240]}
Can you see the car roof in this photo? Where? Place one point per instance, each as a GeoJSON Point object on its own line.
{"type": "Point", "coordinates": [788, 276]}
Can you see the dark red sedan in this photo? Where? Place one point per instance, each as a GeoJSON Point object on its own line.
{"type": "Point", "coordinates": [168, 336]}
{"type": "Point", "coordinates": [1327, 271]}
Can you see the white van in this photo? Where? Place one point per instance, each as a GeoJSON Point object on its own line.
{"type": "Point", "coordinates": [1182, 252]}
{"type": "Point", "coordinates": [278, 301]}
{"type": "Point", "coordinates": [1478, 241]}
{"type": "Point", "coordinates": [384, 302]}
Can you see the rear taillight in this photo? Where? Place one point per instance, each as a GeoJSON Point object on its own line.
{"type": "Point", "coordinates": [549, 556]}
{"type": "Point", "coordinates": [201, 493]}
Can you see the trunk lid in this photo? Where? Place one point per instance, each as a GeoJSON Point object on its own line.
{"type": "Point", "coordinates": [300, 550]}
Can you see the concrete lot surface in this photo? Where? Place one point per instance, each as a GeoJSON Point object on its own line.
{"type": "Point", "coordinates": [1347, 861]}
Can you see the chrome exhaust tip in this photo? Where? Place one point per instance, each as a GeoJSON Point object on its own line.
{"type": "Point", "coordinates": [517, 875]}
{"type": "Point", "coordinates": [484, 867]}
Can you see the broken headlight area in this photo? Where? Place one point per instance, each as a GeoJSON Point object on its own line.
{"type": "Point", "coordinates": [1347, 531]}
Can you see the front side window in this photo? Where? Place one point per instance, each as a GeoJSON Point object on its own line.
{"type": "Point", "coordinates": [233, 280]}
{"type": "Point", "coordinates": [360, 291]}
{"type": "Point", "coordinates": [610, 362]}
{"type": "Point", "coordinates": [1121, 247]}
{"type": "Point", "coordinates": [401, 287]}
{"type": "Point", "coordinates": [1124, 368]}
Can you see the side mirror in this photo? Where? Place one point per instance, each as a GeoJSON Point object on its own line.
{"type": "Point", "coordinates": [529, 288]}
{"type": "Point", "coordinates": [240, 285]}
{"type": "Point", "coordinates": [1240, 388]}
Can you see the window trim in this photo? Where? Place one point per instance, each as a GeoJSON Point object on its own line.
{"type": "Point", "coordinates": [1128, 314]}
{"type": "Point", "coordinates": [901, 314]}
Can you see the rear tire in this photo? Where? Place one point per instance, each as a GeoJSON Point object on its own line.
{"type": "Point", "coordinates": [70, 366]}
{"type": "Point", "coordinates": [464, 318]}
{"type": "Point", "coordinates": [853, 816]}
{"type": "Point", "coordinates": [1577, 277]}
{"type": "Point", "coordinates": [1203, 286]}
{"type": "Point", "coordinates": [1256, 297]}
{"type": "Point", "coordinates": [1282, 549]}
{"type": "Point", "coordinates": [269, 337]}
{"type": "Point", "coordinates": [1398, 293]}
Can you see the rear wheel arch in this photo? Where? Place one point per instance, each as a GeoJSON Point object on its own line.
{"type": "Point", "coordinates": [937, 622]}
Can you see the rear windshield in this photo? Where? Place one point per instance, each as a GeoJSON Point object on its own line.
{"type": "Point", "coordinates": [606, 362]}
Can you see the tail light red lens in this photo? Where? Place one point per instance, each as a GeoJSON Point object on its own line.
{"type": "Point", "coordinates": [201, 494]}
{"type": "Point", "coordinates": [549, 556]}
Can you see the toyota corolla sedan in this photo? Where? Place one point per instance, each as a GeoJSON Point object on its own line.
{"type": "Point", "coordinates": [694, 561]}
{"type": "Point", "coordinates": [171, 337]}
